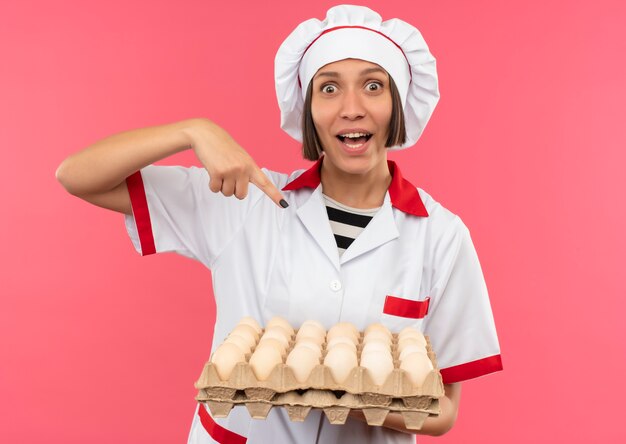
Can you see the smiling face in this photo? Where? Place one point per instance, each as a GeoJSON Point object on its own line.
{"type": "Point", "coordinates": [351, 107]}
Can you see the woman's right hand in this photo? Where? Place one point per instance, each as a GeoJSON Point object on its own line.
{"type": "Point", "coordinates": [98, 173]}
{"type": "Point", "coordinates": [229, 166]}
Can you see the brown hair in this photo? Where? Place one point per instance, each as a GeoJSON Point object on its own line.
{"type": "Point", "coordinates": [311, 145]}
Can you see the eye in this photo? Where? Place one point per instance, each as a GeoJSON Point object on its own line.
{"type": "Point", "coordinates": [374, 86]}
{"type": "Point", "coordinates": [328, 89]}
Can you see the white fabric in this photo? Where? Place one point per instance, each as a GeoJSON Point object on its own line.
{"type": "Point", "coordinates": [268, 261]}
{"type": "Point", "coordinates": [422, 92]}
{"type": "Point", "coordinates": [356, 43]}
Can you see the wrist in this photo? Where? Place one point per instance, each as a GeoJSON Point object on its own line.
{"type": "Point", "coordinates": [194, 130]}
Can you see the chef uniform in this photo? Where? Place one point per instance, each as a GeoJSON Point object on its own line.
{"type": "Point", "coordinates": [414, 264]}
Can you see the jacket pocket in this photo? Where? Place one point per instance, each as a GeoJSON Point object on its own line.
{"type": "Point", "coordinates": [406, 308]}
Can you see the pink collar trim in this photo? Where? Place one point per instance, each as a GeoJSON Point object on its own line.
{"type": "Point", "coordinates": [404, 196]}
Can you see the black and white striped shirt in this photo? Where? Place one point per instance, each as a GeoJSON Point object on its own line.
{"type": "Point", "coordinates": [347, 222]}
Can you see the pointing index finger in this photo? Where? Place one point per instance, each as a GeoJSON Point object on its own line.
{"type": "Point", "coordinates": [266, 185]}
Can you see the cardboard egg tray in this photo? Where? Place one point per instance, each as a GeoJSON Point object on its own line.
{"type": "Point", "coordinates": [321, 391]}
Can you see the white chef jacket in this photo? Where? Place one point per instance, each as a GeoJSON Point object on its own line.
{"type": "Point", "coordinates": [414, 264]}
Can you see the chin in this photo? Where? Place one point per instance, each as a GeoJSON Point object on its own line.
{"type": "Point", "coordinates": [355, 165]}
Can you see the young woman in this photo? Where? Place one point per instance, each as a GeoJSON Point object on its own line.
{"type": "Point", "coordinates": [347, 240]}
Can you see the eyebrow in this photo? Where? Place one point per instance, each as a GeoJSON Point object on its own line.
{"type": "Point", "coordinates": [362, 73]}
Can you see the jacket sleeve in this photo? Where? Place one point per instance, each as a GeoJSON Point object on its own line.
{"type": "Point", "coordinates": [175, 211]}
{"type": "Point", "coordinates": [461, 325]}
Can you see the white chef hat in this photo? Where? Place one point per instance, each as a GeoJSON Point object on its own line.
{"type": "Point", "coordinates": [357, 32]}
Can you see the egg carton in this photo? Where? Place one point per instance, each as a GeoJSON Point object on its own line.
{"type": "Point", "coordinates": [336, 408]}
{"type": "Point", "coordinates": [397, 386]}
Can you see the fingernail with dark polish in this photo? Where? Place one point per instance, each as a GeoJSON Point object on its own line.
{"type": "Point", "coordinates": [283, 203]}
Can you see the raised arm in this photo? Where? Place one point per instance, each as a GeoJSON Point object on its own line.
{"type": "Point", "coordinates": [98, 173]}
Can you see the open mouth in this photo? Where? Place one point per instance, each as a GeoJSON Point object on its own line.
{"type": "Point", "coordinates": [354, 140]}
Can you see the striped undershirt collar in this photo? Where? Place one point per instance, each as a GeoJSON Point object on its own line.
{"type": "Point", "coordinates": [347, 223]}
{"type": "Point", "coordinates": [364, 211]}
{"type": "Point", "coordinates": [403, 194]}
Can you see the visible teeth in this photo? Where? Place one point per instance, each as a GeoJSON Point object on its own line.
{"type": "Point", "coordinates": [354, 146]}
{"type": "Point", "coordinates": [354, 135]}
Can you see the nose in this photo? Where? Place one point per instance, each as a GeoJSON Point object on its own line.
{"type": "Point", "coordinates": [352, 106]}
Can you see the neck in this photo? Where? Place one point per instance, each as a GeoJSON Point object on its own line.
{"type": "Point", "coordinates": [366, 190]}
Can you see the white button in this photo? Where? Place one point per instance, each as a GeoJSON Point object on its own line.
{"type": "Point", "coordinates": [335, 285]}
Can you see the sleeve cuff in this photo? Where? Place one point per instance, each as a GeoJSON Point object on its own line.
{"type": "Point", "coordinates": [141, 214]}
{"type": "Point", "coordinates": [472, 369]}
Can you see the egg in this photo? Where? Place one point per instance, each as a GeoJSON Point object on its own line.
{"type": "Point", "coordinates": [315, 324]}
{"type": "Point", "coordinates": [248, 333]}
{"type": "Point", "coordinates": [319, 340]}
{"type": "Point", "coordinates": [225, 357]}
{"type": "Point", "coordinates": [305, 343]}
{"type": "Point", "coordinates": [312, 331]}
{"type": "Point", "coordinates": [272, 342]}
{"type": "Point", "coordinates": [412, 348]}
{"type": "Point", "coordinates": [402, 343]}
{"type": "Point", "coordinates": [378, 335]}
{"type": "Point", "coordinates": [277, 328]}
{"type": "Point", "coordinates": [378, 365]}
{"type": "Point", "coordinates": [377, 347]}
{"type": "Point", "coordinates": [350, 326]}
{"type": "Point", "coordinates": [417, 365]}
{"type": "Point", "coordinates": [239, 341]}
{"type": "Point", "coordinates": [277, 333]}
{"type": "Point", "coordinates": [343, 329]}
{"type": "Point", "coordinates": [378, 327]}
{"type": "Point", "coordinates": [251, 322]}
{"type": "Point", "coordinates": [302, 360]}
{"type": "Point", "coordinates": [341, 340]}
{"type": "Point", "coordinates": [281, 322]}
{"type": "Point", "coordinates": [410, 332]}
{"type": "Point", "coordinates": [263, 361]}
{"type": "Point", "coordinates": [340, 360]}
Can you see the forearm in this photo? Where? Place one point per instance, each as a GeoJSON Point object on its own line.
{"type": "Point", "coordinates": [108, 162]}
{"type": "Point", "coordinates": [433, 425]}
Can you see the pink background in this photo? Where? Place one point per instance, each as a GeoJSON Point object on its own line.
{"type": "Point", "coordinates": [101, 345]}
